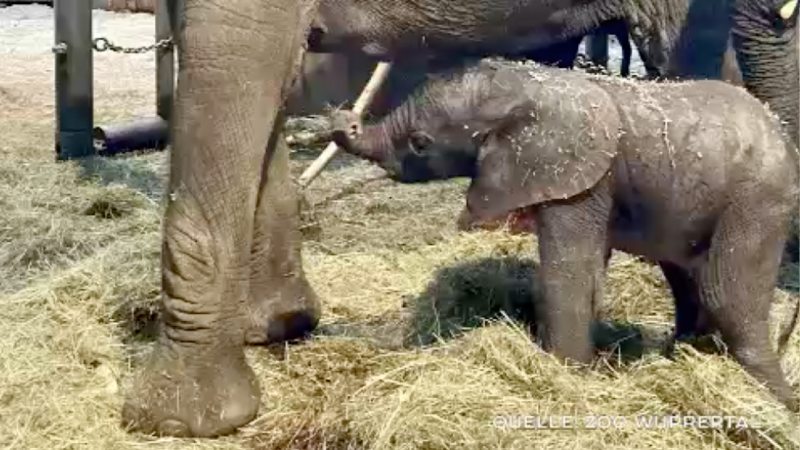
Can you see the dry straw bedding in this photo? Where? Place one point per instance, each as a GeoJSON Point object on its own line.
{"type": "Point", "coordinates": [402, 359]}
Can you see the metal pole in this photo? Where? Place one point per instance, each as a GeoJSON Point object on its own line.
{"type": "Point", "coordinates": [73, 58]}
{"type": "Point", "coordinates": [165, 59]}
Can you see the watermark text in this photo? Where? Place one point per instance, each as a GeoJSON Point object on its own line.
{"type": "Point", "coordinates": [592, 421]}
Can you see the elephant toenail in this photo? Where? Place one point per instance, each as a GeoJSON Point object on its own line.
{"type": "Point", "coordinates": [172, 427]}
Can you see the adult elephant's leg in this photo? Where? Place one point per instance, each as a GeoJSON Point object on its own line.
{"type": "Point", "coordinates": [235, 58]}
{"type": "Point", "coordinates": [573, 244]}
{"type": "Point", "coordinates": [620, 29]}
{"type": "Point", "coordinates": [597, 48]}
{"type": "Point", "coordinates": [282, 304]}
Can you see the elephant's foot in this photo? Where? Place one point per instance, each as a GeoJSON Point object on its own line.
{"type": "Point", "coordinates": [706, 342]}
{"type": "Point", "coordinates": [699, 335]}
{"type": "Point", "coordinates": [206, 396]}
{"type": "Point", "coordinates": [290, 313]}
{"type": "Point", "coordinates": [282, 306]}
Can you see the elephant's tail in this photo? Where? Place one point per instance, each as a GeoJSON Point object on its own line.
{"type": "Point", "coordinates": [783, 338]}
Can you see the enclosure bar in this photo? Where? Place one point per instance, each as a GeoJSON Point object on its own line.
{"type": "Point", "coordinates": [73, 67]}
{"type": "Point", "coordinates": [165, 59]}
{"type": "Point", "coordinates": [597, 49]}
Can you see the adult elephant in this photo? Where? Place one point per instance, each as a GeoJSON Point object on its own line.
{"type": "Point", "coordinates": [336, 78]}
{"type": "Point", "coordinates": [678, 38]}
{"type": "Point", "coordinates": [231, 267]}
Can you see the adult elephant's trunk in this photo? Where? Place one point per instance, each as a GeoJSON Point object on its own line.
{"type": "Point", "coordinates": [766, 49]}
{"type": "Point", "coordinates": [764, 35]}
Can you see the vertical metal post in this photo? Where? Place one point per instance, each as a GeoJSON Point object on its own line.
{"type": "Point", "coordinates": [166, 20]}
{"type": "Point", "coordinates": [597, 47]}
{"type": "Point", "coordinates": [73, 67]}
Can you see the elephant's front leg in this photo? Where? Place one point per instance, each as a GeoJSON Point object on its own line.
{"type": "Point", "coordinates": [282, 305]}
{"type": "Point", "coordinates": [573, 243]}
{"type": "Point", "coordinates": [234, 60]}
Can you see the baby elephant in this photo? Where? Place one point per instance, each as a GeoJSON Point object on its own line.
{"type": "Point", "coordinates": [696, 176]}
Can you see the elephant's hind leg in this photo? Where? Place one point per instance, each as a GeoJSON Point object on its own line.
{"type": "Point", "coordinates": [282, 305]}
{"type": "Point", "coordinates": [736, 288]}
{"type": "Point", "coordinates": [691, 321]}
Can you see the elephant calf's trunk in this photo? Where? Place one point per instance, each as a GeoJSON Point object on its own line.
{"type": "Point", "coordinates": [370, 142]}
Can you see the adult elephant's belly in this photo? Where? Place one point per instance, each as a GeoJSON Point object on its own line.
{"type": "Point", "coordinates": [439, 27]}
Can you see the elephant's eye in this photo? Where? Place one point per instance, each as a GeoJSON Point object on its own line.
{"type": "Point", "coordinates": [419, 141]}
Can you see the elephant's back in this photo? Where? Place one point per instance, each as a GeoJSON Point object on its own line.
{"type": "Point", "coordinates": [709, 120]}
{"type": "Point", "coordinates": [692, 146]}
{"type": "Point", "coordinates": [753, 138]}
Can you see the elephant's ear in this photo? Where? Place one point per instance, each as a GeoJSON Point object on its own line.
{"type": "Point", "coordinates": [563, 146]}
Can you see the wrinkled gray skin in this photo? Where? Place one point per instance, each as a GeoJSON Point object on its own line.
{"type": "Point", "coordinates": [231, 266]}
{"type": "Point", "coordinates": [678, 38]}
{"type": "Point", "coordinates": [333, 79]}
{"type": "Point", "coordinates": [697, 176]}
{"type": "Point", "coordinates": [232, 271]}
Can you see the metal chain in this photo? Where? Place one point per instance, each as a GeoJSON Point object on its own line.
{"type": "Point", "coordinates": [102, 44]}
